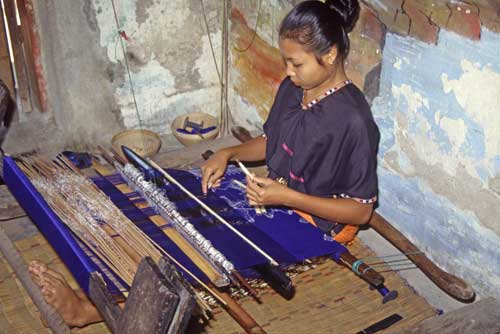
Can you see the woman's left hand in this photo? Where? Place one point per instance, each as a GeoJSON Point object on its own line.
{"type": "Point", "coordinates": [265, 191]}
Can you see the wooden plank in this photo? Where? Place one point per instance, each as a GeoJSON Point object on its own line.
{"type": "Point", "coordinates": [104, 302]}
{"type": "Point", "coordinates": [482, 317]}
{"type": "Point", "coordinates": [31, 46]}
{"type": "Point", "coordinates": [19, 63]}
{"type": "Point", "coordinates": [5, 66]}
{"type": "Point", "coordinates": [151, 304]}
{"type": "Point", "coordinates": [187, 302]}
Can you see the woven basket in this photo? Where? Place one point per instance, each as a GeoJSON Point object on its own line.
{"type": "Point", "coordinates": [188, 139]}
{"type": "Point", "coordinates": [143, 142]}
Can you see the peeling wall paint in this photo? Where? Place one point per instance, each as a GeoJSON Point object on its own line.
{"type": "Point", "coordinates": [436, 105]}
{"type": "Point", "coordinates": [172, 71]}
{"type": "Point", "coordinates": [439, 151]}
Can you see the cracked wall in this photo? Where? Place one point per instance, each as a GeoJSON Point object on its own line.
{"type": "Point", "coordinates": [169, 59]}
{"type": "Point", "coordinates": [440, 150]}
{"type": "Point", "coordinates": [429, 68]}
{"type": "Point", "coordinates": [432, 73]}
{"type": "Point", "coordinates": [96, 89]}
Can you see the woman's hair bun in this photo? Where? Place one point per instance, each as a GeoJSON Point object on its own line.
{"type": "Point", "coordinates": [348, 10]}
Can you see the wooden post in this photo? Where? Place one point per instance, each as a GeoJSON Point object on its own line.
{"type": "Point", "coordinates": [53, 319]}
{"type": "Point", "coordinates": [452, 285]}
{"type": "Point", "coordinates": [16, 37]}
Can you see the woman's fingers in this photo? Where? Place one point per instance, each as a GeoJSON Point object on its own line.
{"type": "Point", "coordinates": [255, 193]}
{"type": "Point", "coordinates": [213, 170]}
{"type": "Point", "coordinates": [205, 178]}
{"type": "Point", "coordinates": [212, 180]}
{"type": "Point", "coordinates": [262, 181]}
{"type": "Point", "coordinates": [216, 184]}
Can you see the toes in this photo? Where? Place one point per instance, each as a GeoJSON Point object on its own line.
{"type": "Point", "coordinates": [55, 274]}
{"type": "Point", "coordinates": [37, 280]}
{"type": "Point", "coordinates": [37, 268]}
{"type": "Point", "coordinates": [55, 279]}
{"type": "Point", "coordinates": [48, 291]}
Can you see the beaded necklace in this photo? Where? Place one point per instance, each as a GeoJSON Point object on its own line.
{"type": "Point", "coordinates": [325, 94]}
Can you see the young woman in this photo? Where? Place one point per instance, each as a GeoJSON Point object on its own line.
{"type": "Point", "coordinates": [320, 140]}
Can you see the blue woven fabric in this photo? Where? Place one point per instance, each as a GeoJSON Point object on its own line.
{"type": "Point", "coordinates": [280, 232]}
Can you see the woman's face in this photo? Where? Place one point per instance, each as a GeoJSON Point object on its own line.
{"type": "Point", "coordinates": [302, 67]}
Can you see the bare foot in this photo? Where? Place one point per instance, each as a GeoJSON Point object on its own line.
{"type": "Point", "coordinates": [75, 309]}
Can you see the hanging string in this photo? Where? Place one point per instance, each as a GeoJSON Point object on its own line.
{"type": "Point", "coordinates": [121, 36]}
{"type": "Point", "coordinates": [225, 118]}
{"type": "Point", "coordinates": [404, 265]}
{"type": "Point", "coordinates": [210, 40]}
{"type": "Point", "coordinates": [225, 115]}
{"type": "Point", "coordinates": [245, 49]}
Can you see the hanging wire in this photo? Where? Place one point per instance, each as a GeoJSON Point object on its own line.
{"type": "Point", "coordinates": [210, 40]}
{"type": "Point", "coordinates": [245, 49]}
{"type": "Point", "coordinates": [120, 36]}
{"type": "Point", "coordinates": [225, 118]}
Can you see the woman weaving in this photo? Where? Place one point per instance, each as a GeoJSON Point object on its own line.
{"type": "Point", "coordinates": [320, 142]}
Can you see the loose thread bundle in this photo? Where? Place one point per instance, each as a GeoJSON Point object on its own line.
{"type": "Point", "coordinates": [94, 219]}
{"type": "Point", "coordinates": [89, 215]}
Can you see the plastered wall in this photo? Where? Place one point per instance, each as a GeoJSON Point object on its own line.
{"type": "Point", "coordinates": [432, 73]}
{"type": "Point", "coordinates": [430, 69]}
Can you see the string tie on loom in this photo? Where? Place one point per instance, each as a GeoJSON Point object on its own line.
{"type": "Point", "coordinates": [356, 264]}
{"type": "Point", "coordinates": [355, 267]}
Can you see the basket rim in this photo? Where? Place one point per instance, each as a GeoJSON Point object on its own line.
{"type": "Point", "coordinates": [197, 113]}
{"type": "Point", "coordinates": [133, 131]}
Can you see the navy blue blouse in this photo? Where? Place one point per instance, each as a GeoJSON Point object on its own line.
{"type": "Point", "coordinates": [328, 150]}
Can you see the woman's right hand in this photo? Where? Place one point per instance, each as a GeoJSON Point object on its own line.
{"type": "Point", "coordinates": [214, 169]}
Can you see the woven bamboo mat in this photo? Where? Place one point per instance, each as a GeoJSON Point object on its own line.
{"type": "Point", "coordinates": [18, 314]}
{"type": "Point", "coordinates": [329, 299]}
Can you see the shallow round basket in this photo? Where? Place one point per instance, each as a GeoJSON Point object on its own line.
{"type": "Point", "coordinates": [143, 142]}
{"type": "Point", "coordinates": [188, 139]}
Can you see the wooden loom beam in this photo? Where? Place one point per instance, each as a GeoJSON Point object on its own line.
{"type": "Point", "coordinates": [231, 306]}
{"type": "Point", "coordinates": [452, 285]}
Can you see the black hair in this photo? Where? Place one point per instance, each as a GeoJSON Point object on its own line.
{"type": "Point", "coordinates": [319, 26]}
